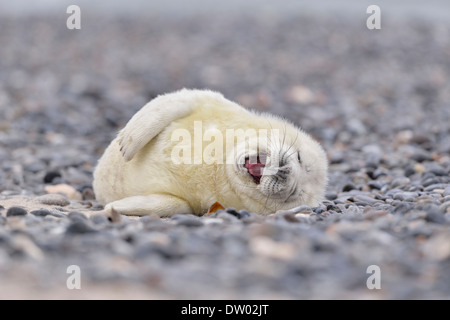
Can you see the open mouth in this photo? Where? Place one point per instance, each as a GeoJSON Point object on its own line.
{"type": "Point", "coordinates": [255, 169]}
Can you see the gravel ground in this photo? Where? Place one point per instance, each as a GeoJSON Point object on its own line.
{"type": "Point", "coordinates": [378, 101]}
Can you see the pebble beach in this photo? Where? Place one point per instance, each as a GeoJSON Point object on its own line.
{"type": "Point", "coordinates": [377, 100]}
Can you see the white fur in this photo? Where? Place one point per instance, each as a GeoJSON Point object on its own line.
{"type": "Point", "coordinates": [136, 175]}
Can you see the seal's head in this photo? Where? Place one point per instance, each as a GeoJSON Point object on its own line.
{"type": "Point", "coordinates": [284, 169]}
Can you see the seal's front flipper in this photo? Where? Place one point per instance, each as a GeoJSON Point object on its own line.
{"type": "Point", "coordinates": [161, 204]}
{"type": "Point", "coordinates": [156, 115]}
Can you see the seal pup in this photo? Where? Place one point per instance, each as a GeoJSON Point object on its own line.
{"type": "Point", "coordinates": [186, 150]}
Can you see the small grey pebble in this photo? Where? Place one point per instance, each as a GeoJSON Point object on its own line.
{"type": "Point", "coordinates": [331, 195]}
{"type": "Point", "coordinates": [187, 220]}
{"type": "Point", "coordinates": [97, 207]}
{"type": "Point", "coordinates": [378, 173]}
{"type": "Point", "coordinates": [243, 214]}
{"type": "Point", "coordinates": [375, 185]}
{"type": "Point", "coordinates": [238, 214]}
{"type": "Point", "coordinates": [318, 210]}
{"type": "Point", "coordinates": [421, 155]}
{"type": "Point", "coordinates": [75, 216]}
{"type": "Point", "coordinates": [41, 212]}
{"type": "Point", "coordinates": [429, 181]}
{"type": "Point", "coordinates": [336, 157]}
{"type": "Point", "coordinates": [79, 227]}
{"type": "Point", "coordinates": [2, 221]}
{"type": "Point", "coordinates": [409, 171]}
{"type": "Point", "coordinates": [333, 207]}
{"type": "Point", "coordinates": [225, 215]}
{"type": "Point", "coordinates": [436, 217]}
{"type": "Point", "coordinates": [435, 186]}
{"type": "Point", "coordinates": [34, 167]}
{"type": "Point", "coordinates": [438, 171]}
{"type": "Point", "coordinates": [16, 211]}
{"type": "Point", "coordinates": [392, 192]}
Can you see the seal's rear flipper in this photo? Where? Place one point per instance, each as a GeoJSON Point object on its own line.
{"type": "Point", "coordinates": [148, 122]}
{"type": "Point", "coordinates": [161, 204]}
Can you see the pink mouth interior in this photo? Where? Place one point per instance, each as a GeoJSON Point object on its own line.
{"type": "Point", "coordinates": [255, 169]}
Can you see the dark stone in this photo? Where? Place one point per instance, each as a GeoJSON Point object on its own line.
{"type": "Point", "coordinates": [420, 139]}
{"type": "Point", "coordinates": [429, 181]}
{"type": "Point", "coordinates": [331, 195]}
{"type": "Point", "coordinates": [438, 171]}
{"type": "Point", "coordinates": [79, 227]}
{"type": "Point", "coordinates": [421, 155]}
{"type": "Point", "coordinates": [435, 217]}
{"type": "Point", "coordinates": [336, 158]}
{"type": "Point", "coordinates": [370, 163]}
{"type": "Point", "coordinates": [16, 211]}
{"type": "Point", "coordinates": [51, 175]}
{"type": "Point", "coordinates": [375, 185]}
{"type": "Point", "coordinates": [332, 207]}
{"type": "Point", "coordinates": [41, 212]}
{"type": "Point", "coordinates": [409, 171]}
{"type": "Point", "coordinates": [232, 211]}
{"type": "Point", "coordinates": [378, 173]}
{"type": "Point", "coordinates": [348, 187]}
{"type": "Point", "coordinates": [244, 214]}
{"type": "Point", "coordinates": [318, 210]}
{"type": "Point", "coordinates": [238, 214]}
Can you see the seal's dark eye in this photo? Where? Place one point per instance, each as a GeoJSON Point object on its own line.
{"type": "Point", "coordinates": [299, 158]}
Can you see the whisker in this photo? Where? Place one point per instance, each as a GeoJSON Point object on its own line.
{"type": "Point", "coordinates": [284, 136]}
{"type": "Point", "coordinates": [292, 144]}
